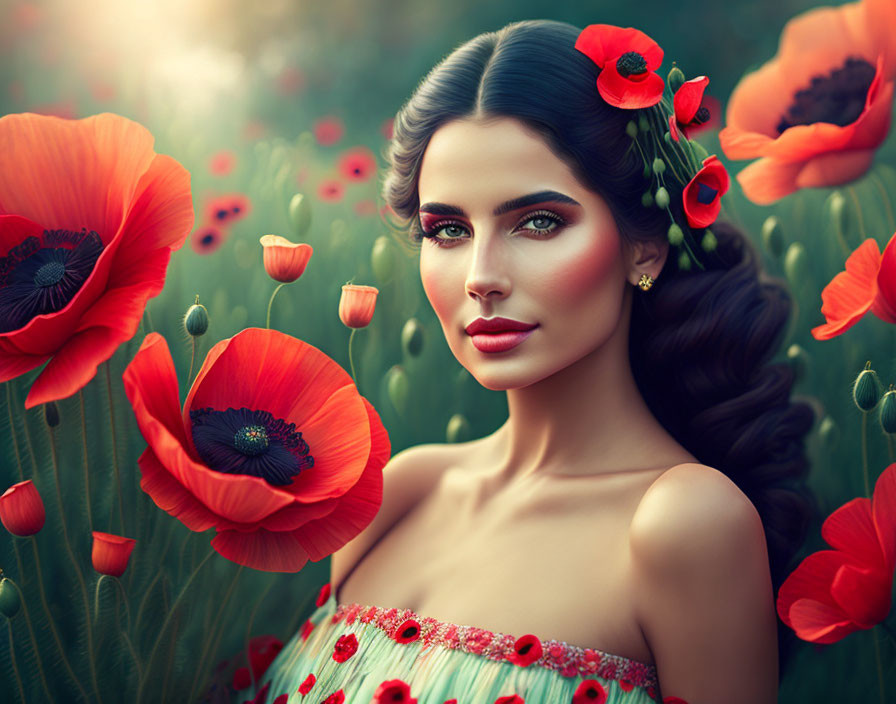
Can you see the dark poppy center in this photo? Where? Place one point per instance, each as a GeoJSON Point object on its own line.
{"type": "Point", "coordinates": [207, 238]}
{"type": "Point", "coordinates": [246, 441]}
{"type": "Point", "coordinates": [222, 214]}
{"type": "Point", "coordinates": [705, 194]}
{"type": "Point", "coordinates": [837, 98]}
{"type": "Point", "coordinates": [631, 62]}
{"type": "Point", "coordinates": [42, 274]}
{"type": "Point", "coordinates": [701, 116]}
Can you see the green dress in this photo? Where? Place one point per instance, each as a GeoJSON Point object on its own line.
{"type": "Point", "coordinates": [356, 654]}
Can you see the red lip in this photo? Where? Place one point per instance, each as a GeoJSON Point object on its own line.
{"type": "Point", "coordinates": [493, 325]}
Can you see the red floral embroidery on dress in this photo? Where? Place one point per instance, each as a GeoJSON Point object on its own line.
{"type": "Point", "coordinates": [626, 686]}
{"type": "Point", "coordinates": [337, 697]}
{"type": "Point", "coordinates": [345, 647]}
{"type": "Point", "coordinates": [568, 660]}
{"type": "Point", "coordinates": [281, 699]}
{"type": "Point", "coordinates": [393, 692]}
{"type": "Point", "coordinates": [589, 692]}
{"type": "Point", "coordinates": [307, 627]}
{"type": "Point", "coordinates": [352, 614]}
{"type": "Point", "coordinates": [408, 631]}
{"type": "Point", "coordinates": [450, 701]}
{"type": "Point", "coordinates": [323, 595]}
{"type": "Point", "coordinates": [510, 699]}
{"type": "Point", "coordinates": [306, 686]}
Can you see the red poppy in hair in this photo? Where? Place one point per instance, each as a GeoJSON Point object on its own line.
{"type": "Point", "coordinates": [274, 448]}
{"type": "Point", "coordinates": [689, 111]}
{"type": "Point", "coordinates": [628, 59]}
{"type": "Point", "coordinates": [702, 196]}
{"type": "Point", "coordinates": [89, 217]}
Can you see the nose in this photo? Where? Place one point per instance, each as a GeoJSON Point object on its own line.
{"type": "Point", "coordinates": [488, 274]}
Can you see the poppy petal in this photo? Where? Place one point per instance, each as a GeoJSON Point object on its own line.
{"type": "Point", "coordinates": [767, 180]}
{"type": "Point", "coordinates": [626, 93]}
{"type": "Point", "coordinates": [603, 43]}
{"type": "Point", "coordinates": [850, 293]}
{"type": "Point", "coordinates": [851, 530]}
{"type": "Point", "coordinates": [884, 304]}
{"type": "Point", "coordinates": [883, 510]}
{"type": "Point", "coordinates": [754, 110]}
{"type": "Point", "coordinates": [863, 593]}
{"type": "Point", "coordinates": [297, 514]}
{"type": "Point", "coordinates": [262, 550]}
{"type": "Point", "coordinates": [170, 495]}
{"type": "Point", "coordinates": [834, 168]}
{"type": "Point", "coordinates": [880, 19]}
{"type": "Point", "coordinates": [688, 97]}
{"type": "Point", "coordinates": [820, 623]}
{"type": "Point", "coordinates": [811, 580]}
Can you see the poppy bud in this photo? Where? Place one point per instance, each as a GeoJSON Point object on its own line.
{"type": "Point", "coordinates": [659, 166]}
{"type": "Point", "coordinates": [773, 236]}
{"type": "Point", "coordinates": [356, 305]}
{"type": "Point", "coordinates": [22, 509]}
{"type": "Point", "coordinates": [458, 429]}
{"type": "Point", "coordinates": [795, 264]}
{"type": "Point", "coordinates": [828, 433]}
{"type": "Point", "coordinates": [667, 137]}
{"type": "Point", "coordinates": [382, 259]}
{"type": "Point", "coordinates": [647, 199]}
{"type": "Point", "coordinates": [662, 197]}
{"type": "Point", "coordinates": [684, 261]}
{"type": "Point", "coordinates": [888, 411]}
{"type": "Point", "coordinates": [646, 170]}
{"type": "Point", "coordinates": [838, 211]}
{"type": "Point", "coordinates": [300, 215]}
{"type": "Point", "coordinates": [865, 391]}
{"type": "Point", "coordinates": [412, 337]}
{"type": "Point", "coordinates": [675, 79]}
{"type": "Point", "coordinates": [196, 319]}
{"type": "Point", "coordinates": [643, 124]}
{"type": "Point", "coordinates": [699, 151]}
{"type": "Point", "coordinates": [111, 553]}
{"type": "Point", "coordinates": [709, 241]}
{"type": "Point", "coordinates": [284, 261]}
{"type": "Point", "coordinates": [675, 234]}
{"type": "Point", "coordinates": [51, 414]}
{"type": "Point", "coordinates": [398, 386]}
{"type": "Point", "coordinates": [631, 129]}
{"type": "Point", "coordinates": [798, 359]}
{"type": "Point", "coordinates": [10, 601]}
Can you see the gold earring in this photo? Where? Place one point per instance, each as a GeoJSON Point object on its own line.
{"type": "Point", "coordinates": [646, 282]}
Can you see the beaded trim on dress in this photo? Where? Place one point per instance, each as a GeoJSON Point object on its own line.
{"type": "Point", "coordinates": [568, 660]}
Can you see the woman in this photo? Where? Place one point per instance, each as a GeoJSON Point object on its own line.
{"type": "Point", "coordinates": [621, 536]}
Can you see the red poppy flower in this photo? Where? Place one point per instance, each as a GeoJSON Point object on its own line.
{"type": "Point", "coordinates": [306, 686]}
{"type": "Point", "coordinates": [261, 695]}
{"type": "Point", "coordinates": [589, 691]}
{"type": "Point", "coordinates": [284, 261]}
{"type": "Point", "coordinates": [393, 692]}
{"type": "Point", "coordinates": [357, 304]}
{"type": "Point", "coordinates": [869, 283]}
{"type": "Point", "coordinates": [89, 216]}
{"type": "Point", "coordinates": [345, 647]}
{"type": "Point", "coordinates": [628, 59]}
{"type": "Point", "coordinates": [689, 111]}
{"type": "Point", "coordinates": [510, 699]}
{"type": "Point", "coordinates": [357, 164]}
{"type": "Point", "coordinates": [337, 697]}
{"type": "Point", "coordinates": [328, 130]}
{"type": "Point", "coordinates": [702, 196]}
{"type": "Point", "coordinates": [527, 649]}
{"type": "Point", "coordinates": [307, 627]}
{"type": "Point", "coordinates": [407, 631]}
{"type": "Point", "coordinates": [227, 209]}
{"type": "Point", "coordinates": [208, 238]}
{"type": "Point", "coordinates": [819, 109]}
{"type": "Point", "coordinates": [262, 651]}
{"type": "Point", "coordinates": [323, 595]}
{"type": "Point", "coordinates": [222, 162]}
{"type": "Point", "coordinates": [22, 509]}
{"type": "Point", "coordinates": [331, 190]}
{"type": "Point", "coordinates": [835, 592]}
{"type": "Point", "coordinates": [111, 553]}
{"type": "Point", "coordinates": [274, 448]}
{"type": "Point", "coordinates": [282, 699]}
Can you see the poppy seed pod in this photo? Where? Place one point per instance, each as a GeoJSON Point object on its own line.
{"type": "Point", "coordinates": [382, 259]}
{"type": "Point", "coordinates": [111, 553]}
{"type": "Point", "coordinates": [828, 433]}
{"type": "Point", "coordinates": [795, 266]}
{"type": "Point", "coordinates": [284, 261]}
{"type": "Point", "coordinates": [10, 601]}
{"type": "Point", "coordinates": [300, 215]}
{"type": "Point", "coordinates": [798, 358]}
{"type": "Point", "coordinates": [398, 387]}
{"type": "Point", "coordinates": [659, 166]}
{"type": "Point", "coordinates": [675, 78]}
{"type": "Point", "coordinates": [631, 129]}
{"type": "Point", "coordinates": [684, 261]}
{"type": "Point", "coordinates": [662, 197]}
{"type": "Point", "coordinates": [643, 124]}
{"type": "Point", "coordinates": [865, 391]}
{"type": "Point", "coordinates": [709, 241]}
{"type": "Point", "coordinates": [772, 236]}
{"type": "Point", "coordinates": [675, 234]}
{"type": "Point", "coordinates": [196, 319]}
{"type": "Point", "coordinates": [51, 414]}
{"type": "Point", "coordinates": [888, 411]}
{"type": "Point", "coordinates": [356, 305]}
{"type": "Point", "coordinates": [647, 199]}
{"type": "Point", "coordinates": [412, 337]}
{"type": "Point", "coordinates": [458, 429]}
{"type": "Point", "coordinates": [22, 510]}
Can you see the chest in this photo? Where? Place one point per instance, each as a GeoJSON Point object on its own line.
{"type": "Point", "coordinates": [552, 561]}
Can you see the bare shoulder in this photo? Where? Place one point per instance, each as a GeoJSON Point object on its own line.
{"type": "Point", "coordinates": [407, 476]}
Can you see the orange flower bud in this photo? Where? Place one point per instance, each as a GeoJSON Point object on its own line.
{"type": "Point", "coordinates": [357, 304]}
{"type": "Point", "coordinates": [111, 553]}
{"type": "Point", "coordinates": [22, 509]}
{"type": "Point", "coordinates": [284, 261]}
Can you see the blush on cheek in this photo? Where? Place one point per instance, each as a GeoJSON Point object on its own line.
{"type": "Point", "coordinates": [435, 286]}
{"type": "Point", "coordinates": [589, 270]}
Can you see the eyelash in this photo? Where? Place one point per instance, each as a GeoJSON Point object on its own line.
{"type": "Point", "coordinates": [441, 242]}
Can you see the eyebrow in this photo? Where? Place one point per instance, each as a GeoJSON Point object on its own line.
{"type": "Point", "coordinates": [513, 204]}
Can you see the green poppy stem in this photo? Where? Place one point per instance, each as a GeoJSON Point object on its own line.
{"type": "Point", "coordinates": [40, 665]}
{"type": "Point", "coordinates": [86, 463]}
{"type": "Point", "coordinates": [350, 361]}
{"type": "Point", "coordinates": [107, 364]}
{"type": "Point", "coordinates": [192, 360]}
{"type": "Point", "coordinates": [12, 430]}
{"type": "Point", "coordinates": [270, 303]}
{"type": "Point", "coordinates": [124, 598]}
{"type": "Point", "coordinates": [12, 657]}
{"type": "Point", "coordinates": [865, 453]}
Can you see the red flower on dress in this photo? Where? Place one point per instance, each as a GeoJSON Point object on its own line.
{"type": "Point", "coordinates": [328, 130]}
{"type": "Point", "coordinates": [688, 109]}
{"type": "Point", "coordinates": [260, 696]}
{"type": "Point", "coordinates": [222, 162]}
{"type": "Point", "coordinates": [527, 649]}
{"type": "Point", "coordinates": [89, 217]}
{"type": "Point", "coordinates": [306, 686]}
{"type": "Point", "coordinates": [330, 190]}
{"type": "Point", "coordinates": [274, 447]}
{"type": "Point", "coordinates": [590, 691]}
{"type": "Point", "coordinates": [628, 59]}
{"type": "Point", "coordinates": [111, 553]}
{"type": "Point", "coordinates": [337, 697]}
{"type": "Point", "coordinates": [390, 691]}
{"type": "Point", "coordinates": [450, 701]}
{"type": "Point", "coordinates": [22, 509]}
{"type": "Point", "coordinates": [510, 699]}
{"type": "Point", "coordinates": [262, 651]}
{"type": "Point", "coordinates": [282, 699]}
{"type": "Point", "coordinates": [345, 647]}
{"type": "Point", "coordinates": [357, 164]}
{"type": "Point", "coordinates": [869, 283]}
{"type": "Point", "coordinates": [625, 685]}
{"type": "Point", "coordinates": [307, 627]}
{"type": "Point", "coordinates": [408, 631]}
{"type": "Point", "coordinates": [227, 209]}
{"type": "Point", "coordinates": [702, 196]}
{"type": "Point", "coordinates": [207, 238]}
{"type": "Point", "coordinates": [323, 595]}
{"type": "Point", "coordinates": [835, 592]}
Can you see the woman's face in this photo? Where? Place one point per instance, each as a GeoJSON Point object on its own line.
{"type": "Point", "coordinates": [553, 260]}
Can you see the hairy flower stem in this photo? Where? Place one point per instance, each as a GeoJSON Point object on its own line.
{"type": "Point", "coordinates": [37, 658]}
{"type": "Point", "coordinates": [86, 464]}
{"type": "Point", "coordinates": [114, 447]}
{"type": "Point", "coordinates": [12, 657]}
{"type": "Point", "coordinates": [350, 361]}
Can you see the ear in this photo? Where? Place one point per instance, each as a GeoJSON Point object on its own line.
{"type": "Point", "coordinates": [647, 258]}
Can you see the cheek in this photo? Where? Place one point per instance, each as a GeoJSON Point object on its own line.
{"type": "Point", "coordinates": [438, 286]}
{"type": "Point", "coordinates": [590, 271]}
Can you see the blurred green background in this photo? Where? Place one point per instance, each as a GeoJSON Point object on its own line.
{"type": "Point", "coordinates": [250, 83]}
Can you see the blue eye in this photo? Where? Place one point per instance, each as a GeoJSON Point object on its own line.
{"type": "Point", "coordinates": [549, 223]}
